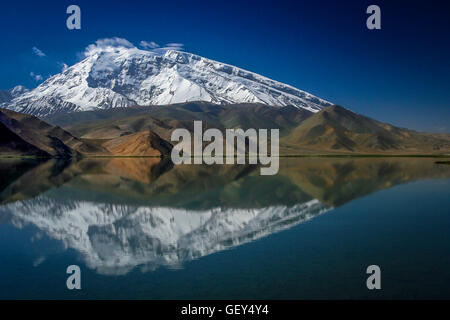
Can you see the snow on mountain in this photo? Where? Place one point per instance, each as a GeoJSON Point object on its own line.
{"type": "Point", "coordinates": [7, 95]}
{"type": "Point", "coordinates": [114, 239]}
{"type": "Point", "coordinates": [118, 76]}
{"type": "Point", "coordinates": [18, 91]}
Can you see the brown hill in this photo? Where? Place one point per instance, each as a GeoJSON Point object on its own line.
{"type": "Point", "coordinates": [108, 124]}
{"type": "Point", "coordinates": [146, 131]}
{"type": "Point", "coordinates": [25, 134]}
{"type": "Point", "coordinates": [338, 130]}
{"type": "Point", "coordinates": [332, 130]}
{"type": "Point", "coordinates": [142, 143]}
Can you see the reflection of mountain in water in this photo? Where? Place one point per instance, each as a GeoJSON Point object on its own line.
{"type": "Point", "coordinates": [121, 213]}
{"type": "Point", "coordinates": [115, 238]}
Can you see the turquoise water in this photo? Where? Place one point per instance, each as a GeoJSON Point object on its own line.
{"type": "Point", "coordinates": [142, 229]}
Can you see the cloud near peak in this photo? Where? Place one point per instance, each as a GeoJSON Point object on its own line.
{"type": "Point", "coordinates": [116, 42]}
{"type": "Point", "coordinates": [153, 46]}
{"type": "Point", "coordinates": [149, 44]}
{"type": "Point", "coordinates": [170, 46]}
{"type": "Point", "coordinates": [107, 43]}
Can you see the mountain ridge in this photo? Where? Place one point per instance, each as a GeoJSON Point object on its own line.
{"type": "Point", "coordinates": [333, 130]}
{"type": "Point", "coordinates": [112, 77]}
{"type": "Point", "coordinates": [146, 131]}
{"type": "Point", "coordinates": [337, 129]}
{"type": "Point", "coordinates": [26, 135]}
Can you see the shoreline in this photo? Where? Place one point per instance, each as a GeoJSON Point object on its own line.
{"type": "Point", "coordinates": [280, 156]}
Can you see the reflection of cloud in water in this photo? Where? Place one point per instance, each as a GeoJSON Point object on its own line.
{"type": "Point", "coordinates": [113, 239]}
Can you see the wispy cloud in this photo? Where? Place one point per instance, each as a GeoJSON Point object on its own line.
{"type": "Point", "coordinates": [36, 77]}
{"type": "Point", "coordinates": [38, 52]}
{"type": "Point", "coordinates": [174, 46]}
{"type": "Point", "coordinates": [111, 44]}
{"type": "Point", "coordinates": [153, 46]}
{"type": "Point", "coordinates": [149, 44]}
{"type": "Point", "coordinates": [169, 46]}
{"type": "Point", "coordinates": [107, 43]}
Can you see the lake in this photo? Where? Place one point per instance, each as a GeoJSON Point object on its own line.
{"type": "Point", "coordinates": [142, 228]}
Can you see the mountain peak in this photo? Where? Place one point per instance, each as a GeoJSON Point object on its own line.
{"type": "Point", "coordinates": [121, 76]}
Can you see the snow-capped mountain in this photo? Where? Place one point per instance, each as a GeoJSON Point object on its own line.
{"type": "Point", "coordinates": [117, 76]}
{"type": "Point", "coordinates": [114, 239]}
{"type": "Point", "coordinates": [8, 95]}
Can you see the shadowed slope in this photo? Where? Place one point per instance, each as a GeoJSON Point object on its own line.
{"type": "Point", "coordinates": [27, 135]}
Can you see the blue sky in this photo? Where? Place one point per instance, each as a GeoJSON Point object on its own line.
{"type": "Point", "coordinates": [399, 74]}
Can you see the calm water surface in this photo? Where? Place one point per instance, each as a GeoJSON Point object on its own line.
{"type": "Point", "coordinates": [142, 228]}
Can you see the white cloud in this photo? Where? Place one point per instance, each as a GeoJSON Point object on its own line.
{"type": "Point", "coordinates": [169, 46]}
{"type": "Point", "coordinates": [36, 77]}
{"type": "Point", "coordinates": [114, 42]}
{"type": "Point", "coordinates": [149, 44]}
{"type": "Point", "coordinates": [175, 46]}
{"type": "Point", "coordinates": [107, 43]}
{"type": "Point", "coordinates": [38, 52]}
{"type": "Point", "coordinates": [111, 44]}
